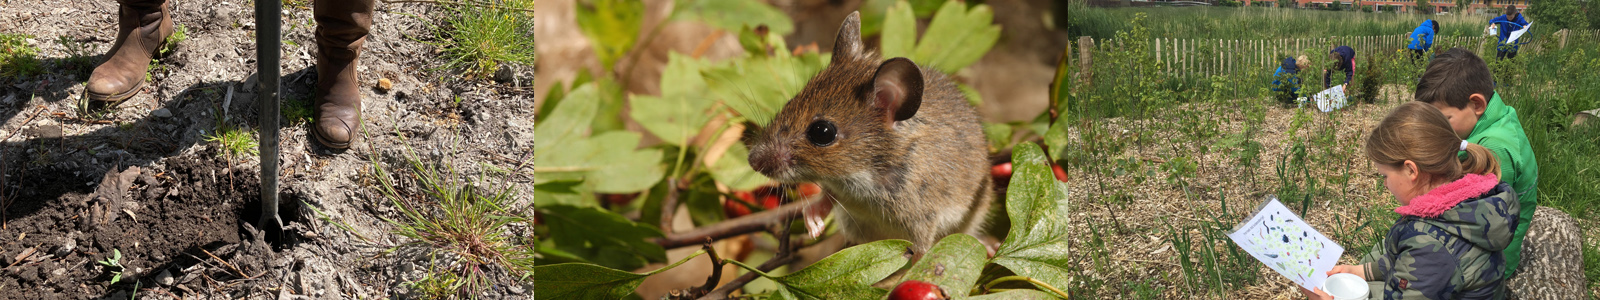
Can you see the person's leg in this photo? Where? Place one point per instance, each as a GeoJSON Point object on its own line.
{"type": "Point", "coordinates": [142, 25]}
{"type": "Point", "coordinates": [342, 28]}
{"type": "Point", "coordinates": [1511, 55]}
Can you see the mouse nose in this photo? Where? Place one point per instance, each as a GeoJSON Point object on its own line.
{"type": "Point", "coordinates": [769, 160]}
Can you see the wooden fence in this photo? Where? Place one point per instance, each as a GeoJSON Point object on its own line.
{"type": "Point", "coordinates": [1206, 57]}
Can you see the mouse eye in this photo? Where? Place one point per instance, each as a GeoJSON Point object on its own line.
{"type": "Point", "coordinates": [822, 133]}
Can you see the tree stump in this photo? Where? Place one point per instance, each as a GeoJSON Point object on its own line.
{"type": "Point", "coordinates": [1552, 259]}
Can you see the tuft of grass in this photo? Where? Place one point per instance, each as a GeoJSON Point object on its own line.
{"type": "Point", "coordinates": [296, 110]}
{"type": "Point", "coordinates": [481, 39]}
{"type": "Point", "coordinates": [180, 33]}
{"type": "Point", "coordinates": [79, 61]}
{"type": "Point", "coordinates": [458, 217]}
{"type": "Point", "coordinates": [17, 57]}
{"type": "Point", "coordinates": [235, 142]}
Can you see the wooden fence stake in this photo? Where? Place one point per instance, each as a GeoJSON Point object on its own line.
{"type": "Point", "coordinates": [1085, 61]}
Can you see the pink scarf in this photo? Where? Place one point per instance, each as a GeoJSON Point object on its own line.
{"type": "Point", "coordinates": [1445, 197]}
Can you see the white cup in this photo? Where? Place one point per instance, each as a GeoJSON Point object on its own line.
{"type": "Point", "coordinates": [1346, 286]}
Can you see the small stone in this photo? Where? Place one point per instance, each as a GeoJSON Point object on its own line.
{"type": "Point", "coordinates": [66, 248]}
{"type": "Point", "coordinates": [385, 85]}
{"type": "Point", "coordinates": [58, 272]}
{"type": "Point", "coordinates": [165, 278]}
{"type": "Point", "coordinates": [45, 131]}
{"type": "Point", "coordinates": [514, 289]}
{"type": "Point", "coordinates": [161, 113]}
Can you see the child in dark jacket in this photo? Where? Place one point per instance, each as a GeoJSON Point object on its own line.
{"type": "Point", "coordinates": [1286, 80]}
{"type": "Point", "coordinates": [1422, 39]}
{"type": "Point", "coordinates": [1455, 215]}
{"type": "Point", "coordinates": [1344, 60]}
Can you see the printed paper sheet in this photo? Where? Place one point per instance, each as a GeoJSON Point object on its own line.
{"type": "Point", "coordinates": [1330, 99]}
{"type": "Point", "coordinates": [1277, 237]}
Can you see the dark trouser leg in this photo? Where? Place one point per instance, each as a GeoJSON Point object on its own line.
{"type": "Point", "coordinates": [142, 25]}
{"type": "Point", "coordinates": [342, 28]}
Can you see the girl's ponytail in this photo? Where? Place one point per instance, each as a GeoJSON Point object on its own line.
{"type": "Point", "coordinates": [1479, 160]}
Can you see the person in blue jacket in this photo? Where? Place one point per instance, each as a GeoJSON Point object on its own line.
{"type": "Point", "coordinates": [1344, 60]}
{"type": "Point", "coordinates": [1511, 21]}
{"type": "Point", "coordinates": [1422, 38]}
{"type": "Point", "coordinates": [1286, 80]}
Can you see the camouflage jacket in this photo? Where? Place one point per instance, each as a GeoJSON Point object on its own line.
{"type": "Point", "coordinates": [1447, 244]}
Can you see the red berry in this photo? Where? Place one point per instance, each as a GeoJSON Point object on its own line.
{"type": "Point", "coordinates": [808, 189]}
{"type": "Point", "coordinates": [734, 208]}
{"type": "Point", "coordinates": [916, 290]}
{"type": "Point", "coordinates": [1060, 174]}
{"type": "Point", "coordinates": [1000, 170]}
{"type": "Point", "coordinates": [746, 196]}
{"type": "Point", "coordinates": [770, 201]}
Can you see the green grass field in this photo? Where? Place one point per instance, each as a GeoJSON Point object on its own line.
{"type": "Point", "coordinates": [1260, 22]}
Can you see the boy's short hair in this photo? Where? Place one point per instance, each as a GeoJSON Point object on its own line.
{"type": "Point", "coordinates": [1453, 76]}
{"type": "Point", "coordinates": [1302, 62]}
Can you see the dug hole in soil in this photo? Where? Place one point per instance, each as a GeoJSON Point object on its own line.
{"type": "Point", "coordinates": [143, 180]}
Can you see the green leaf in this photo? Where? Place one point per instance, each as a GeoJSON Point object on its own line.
{"type": "Point", "coordinates": [583, 281]}
{"type": "Point", "coordinates": [848, 274]}
{"type": "Point", "coordinates": [757, 87]}
{"type": "Point", "coordinates": [873, 12]}
{"type": "Point", "coordinates": [566, 123]}
{"type": "Point", "coordinates": [680, 111]}
{"type": "Point", "coordinates": [561, 192]}
{"type": "Point", "coordinates": [734, 15]}
{"type": "Point", "coordinates": [1036, 247]}
{"type": "Point", "coordinates": [607, 161]}
{"type": "Point", "coordinates": [1016, 295]}
{"type": "Point", "coordinates": [899, 31]}
{"type": "Point", "coordinates": [612, 26]}
{"type": "Point", "coordinates": [587, 281]}
{"type": "Point", "coordinates": [610, 96]}
{"type": "Point", "coordinates": [999, 134]}
{"type": "Point", "coordinates": [552, 98]}
{"type": "Point", "coordinates": [733, 169]}
{"type": "Point", "coordinates": [953, 264]}
{"type": "Point", "coordinates": [601, 237]}
{"type": "Point", "coordinates": [618, 168]}
{"type": "Point", "coordinates": [957, 37]}
{"type": "Point", "coordinates": [1058, 88]}
{"type": "Point", "coordinates": [1056, 137]}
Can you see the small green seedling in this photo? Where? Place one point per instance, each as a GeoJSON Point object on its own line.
{"type": "Point", "coordinates": [115, 261]}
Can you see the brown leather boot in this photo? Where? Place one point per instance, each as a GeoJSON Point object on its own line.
{"type": "Point", "coordinates": [142, 26]}
{"type": "Point", "coordinates": [342, 28]}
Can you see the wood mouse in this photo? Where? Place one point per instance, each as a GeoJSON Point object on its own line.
{"type": "Point", "coordinates": [896, 146]}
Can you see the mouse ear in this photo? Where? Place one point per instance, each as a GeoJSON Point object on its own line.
{"type": "Point", "coordinates": [848, 42]}
{"type": "Point", "coordinates": [897, 88]}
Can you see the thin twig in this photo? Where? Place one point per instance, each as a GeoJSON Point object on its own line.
{"type": "Point", "coordinates": [25, 123]}
{"type": "Point", "coordinates": [225, 263]}
{"type": "Point", "coordinates": [716, 273]}
{"type": "Point", "coordinates": [669, 205]}
{"type": "Point", "coordinates": [785, 255]}
{"type": "Point", "coordinates": [733, 227]}
{"type": "Point", "coordinates": [739, 282]}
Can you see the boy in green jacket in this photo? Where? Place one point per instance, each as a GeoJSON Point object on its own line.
{"type": "Point", "coordinates": [1460, 85]}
